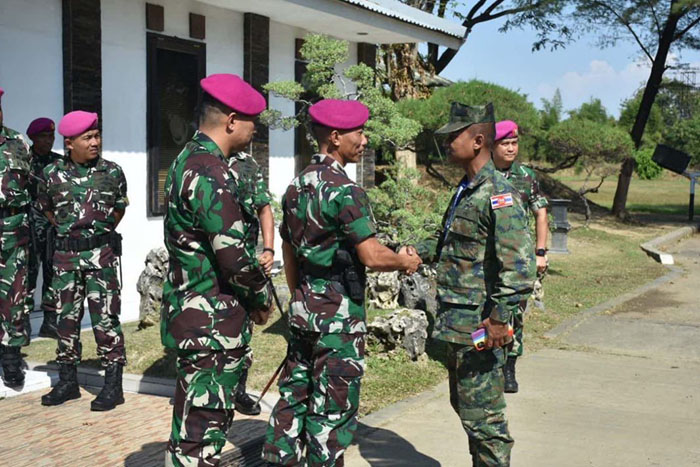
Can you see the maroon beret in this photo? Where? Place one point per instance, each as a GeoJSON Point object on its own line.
{"type": "Point", "coordinates": [2, 91]}
{"type": "Point", "coordinates": [232, 91]}
{"type": "Point", "coordinates": [506, 129]}
{"type": "Point", "coordinates": [76, 123]}
{"type": "Point", "coordinates": [339, 114]}
{"type": "Point", "coordinates": [40, 125]}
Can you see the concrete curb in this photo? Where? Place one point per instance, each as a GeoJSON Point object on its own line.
{"type": "Point", "coordinates": [651, 247]}
{"type": "Point", "coordinates": [139, 384]}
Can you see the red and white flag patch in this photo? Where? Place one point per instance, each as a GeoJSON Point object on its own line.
{"type": "Point", "coordinates": [501, 201]}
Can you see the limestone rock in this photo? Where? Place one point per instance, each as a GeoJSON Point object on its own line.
{"type": "Point", "coordinates": [404, 327]}
{"type": "Point", "coordinates": [383, 290]}
{"type": "Point", "coordinates": [150, 286]}
{"type": "Point", "coordinates": [418, 291]}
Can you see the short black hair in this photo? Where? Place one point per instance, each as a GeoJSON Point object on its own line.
{"type": "Point", "coordinates": [210, 107]}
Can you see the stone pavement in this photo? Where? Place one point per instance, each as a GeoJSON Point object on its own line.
{"type": "Point", "coordinates": [133, 434]}
{"type": "Point", "coordinates": [622, 389]}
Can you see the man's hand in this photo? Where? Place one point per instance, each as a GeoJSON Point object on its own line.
{"type": "Point", "coordinates": [541, 263]}
{"type": "Point", "coordinates": [496, 332]}
{"type": "Point", "coordinates": [409, 259]}
{"type": "Point", "coordinates": [266, 260]}
{"type": "Point", "coordinates": [260, 317]}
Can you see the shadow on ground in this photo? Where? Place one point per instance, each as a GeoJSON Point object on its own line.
{"type": "Point", "coordinates": [384, 448]}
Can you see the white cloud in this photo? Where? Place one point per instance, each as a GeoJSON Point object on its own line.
{"type": "Point", "coordinates": [601, 81]}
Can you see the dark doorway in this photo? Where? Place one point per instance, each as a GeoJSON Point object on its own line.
{"type": "Point", "coordinates": [174, 69]}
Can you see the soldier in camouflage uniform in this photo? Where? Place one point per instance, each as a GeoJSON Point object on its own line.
{"type": "Point", "coordinates": [84, 197]}
{"type": "Point", "coordinates": [255, 201]}
{"type": "Point", "coordinates": [41, 132]}
{"type": "Point", "coordinates": [525, 182]}
{"type": "Point", "coordinates": [14, 244]}
{"type": "Point", "coordinates": [214, 286]}
{"type": "Point", "coordinates": [485, 267]}
{"type": "Point", "coordinates": [328, 234]}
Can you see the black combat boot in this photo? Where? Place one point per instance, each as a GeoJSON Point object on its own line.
{"type": "Point", "coordinates": [243, 402]}
{"type": "Point", "coordinates": [511, 385]}
{"type": "Point", "coordinates": [67, 387]}
{"type": "Point", "coordinates": [48, 326]}
{"type": "Point", "coordinates": [12, 373]}
{"type": "Point", "coordinates": [111, 394]}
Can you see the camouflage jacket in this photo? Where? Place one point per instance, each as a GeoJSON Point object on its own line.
{"type": "Point", "coordinates": [524, 180]}
{"type": "Point", "coordinates": [83, 199]}
{"type": "Point", "coordinates": [14, 169]}
{"type": "Point", "coordinates": [14, 177]}
{"type": "Point", "coordinates": [38, 164]}
{"type": "Point", "coordinates": [213, 282]}
{"type": "Point", "coordinates": [251, 192]}
{"type": "Point", "coordinates": [324, 210]}
{"type": "Point", "coordinates": [484, 254]}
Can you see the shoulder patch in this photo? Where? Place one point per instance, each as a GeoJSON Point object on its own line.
{"type": "Point", "coordinates": [501, 201]}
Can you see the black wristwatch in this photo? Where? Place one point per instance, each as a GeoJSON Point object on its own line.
{"type": "Point", "coordinates": [541, 252]}
{"type": "Point", "coordinates": [270, 250]}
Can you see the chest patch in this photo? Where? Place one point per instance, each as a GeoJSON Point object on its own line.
{"type": "Point", "coordinates": [501, 201]}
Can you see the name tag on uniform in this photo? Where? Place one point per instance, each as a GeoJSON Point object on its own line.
{"type": "Point", "coordinates": [501, 201]}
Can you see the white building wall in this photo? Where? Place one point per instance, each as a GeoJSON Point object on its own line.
{"type": "Point", "coordinates": [31, 68]}
{"type": "Point", "coordinates": [124, 108]}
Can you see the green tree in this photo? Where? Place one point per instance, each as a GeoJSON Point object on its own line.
{"type": "Point", "coordinates": [591, 147]}
{"type": "Point", "coordinates": [386, 128]}
{"type": "Point", "coordinates": [657, 27]}
{"type": "Point", "coordinates": [685, 136]}
{"type": "Point", "coordinates": [551, 111]}
{"type": "Point", "coordinates": [593, 110]}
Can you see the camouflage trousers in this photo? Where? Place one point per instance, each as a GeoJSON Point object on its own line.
{"type": "Point", "coordinates": [319, 399]}
{"type": "Point", "coordinates": [203, 408]}
{"type": "Point", "coordinates": [248, 362]}
{"type": "Point", "coordinates": [476, 394]}
{"type": "Point", "coordinates": [39, 255]}
{"type": "Point", "coordinates": [516, 350]}
{"type": "Point", "coordinates": [13, 286]}
{"type": "Point", "coordinates": [101, 287]}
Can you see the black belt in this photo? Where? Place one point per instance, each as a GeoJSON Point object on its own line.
{"type": "Point", "coordinates": [321, 272]}
{"type": "Point", "coordinates": [9, 212]}
{"type": "Point", "coordinates": [84, 244]}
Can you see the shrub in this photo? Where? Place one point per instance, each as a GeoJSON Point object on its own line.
{"type": "Point", "coordinates": [646, 168]}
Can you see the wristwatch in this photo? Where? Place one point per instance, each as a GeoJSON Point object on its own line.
{"type": "Point", "coordinates": [541, 252]}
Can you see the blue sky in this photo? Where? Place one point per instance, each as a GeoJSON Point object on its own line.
{"type": "Point", "coordinates": [580, 71]}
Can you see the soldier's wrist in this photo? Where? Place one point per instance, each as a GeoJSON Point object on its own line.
{"type": "Point", "coordinates": [272, 251]}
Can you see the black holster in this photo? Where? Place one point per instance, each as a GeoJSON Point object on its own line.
{"type": "Point", "coordinates": [353, 274]}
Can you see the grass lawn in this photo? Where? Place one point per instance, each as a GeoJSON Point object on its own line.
{"type": "Point", "coordinates": [605, 261]}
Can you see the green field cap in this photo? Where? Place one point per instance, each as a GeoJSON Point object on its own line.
{"type": "Point", "coordinates": [463, 116]}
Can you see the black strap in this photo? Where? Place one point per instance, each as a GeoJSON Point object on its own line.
{"type": "Point", "coordinates": [83, 244]}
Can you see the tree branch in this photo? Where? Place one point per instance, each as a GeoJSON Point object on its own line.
{"type": "Point", "coordinates": [565, 164]}
{"type": "Point", "coordinates": [628, 26]}
{"type": "Point", "coordinates": [486, 16]}
{"type": "Point", "coordinates": [686, 29]}
{"type": "Point", "coordinates": [656, 17]}
{"type": "Point", "coordinates": [473, 11]}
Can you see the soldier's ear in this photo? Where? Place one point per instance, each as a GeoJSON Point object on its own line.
{"type": "Point", "coordinates": [334, 137]}
{"type": "Point", "coordinates": [479, 140]}
{"type": "Point", "coordinates": [231, 121]}
{"type": "Point", "coordinates": [68, 143]}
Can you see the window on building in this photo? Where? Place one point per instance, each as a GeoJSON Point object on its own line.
{"type": "Point", "coordinates": [175, 67]}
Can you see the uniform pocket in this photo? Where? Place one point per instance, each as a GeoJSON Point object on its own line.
{"type": "Point", "coordinates": [343, 376]}
{"type": "Point", "coordinates": [463, 237]}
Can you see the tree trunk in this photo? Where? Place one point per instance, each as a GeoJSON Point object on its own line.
{"type": "Point", "coordinates": [650, 92]}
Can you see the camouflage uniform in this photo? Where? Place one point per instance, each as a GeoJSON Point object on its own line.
{"type": "Point", "coordinates": [14, 236]}
{"type": "Point", "coordinates": [213, 283]}
{"type": "Point", "coordinates": [485, 267]}
{"type": "Point", "coordinates": [252, 194]}
{"type": "Point", "coordinates": [525, 183]}
{"type": "Point", "coordinates": [41, 229]}
{"type": "Point", "coordinates": [83, 199]}
{"type": "Point", "coordinates": [320, 384]}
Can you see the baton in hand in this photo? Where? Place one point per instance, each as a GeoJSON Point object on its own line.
{"type": "Point", "coordinates": [277, 372]}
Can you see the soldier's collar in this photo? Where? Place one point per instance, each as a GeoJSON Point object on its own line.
{"type": "Point", "coordinates": [241, 155]}
{"type": "Point", "coordinates": [325, 159]}
{"type": "Point", "coordinates": [208, 143]}
{"type": "Point", "coordinates": [484, 174]}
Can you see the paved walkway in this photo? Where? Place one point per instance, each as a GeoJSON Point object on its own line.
{"type": "Point", "coordinates": [622, 390]}
{"type": "Point", "coordinates": [133, 434]}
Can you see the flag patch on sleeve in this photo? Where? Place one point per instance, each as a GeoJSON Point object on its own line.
{"type": "Point", "coordinates": [501, 201]}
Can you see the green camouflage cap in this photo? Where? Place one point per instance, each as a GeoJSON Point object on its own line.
{"type": "Point", "coordinates": [463, 116]}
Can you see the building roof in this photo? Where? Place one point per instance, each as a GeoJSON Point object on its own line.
{"type": "Point", "coordinates": [372, 21]}
{"type": "Point", "coordinates": [409, 14]}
